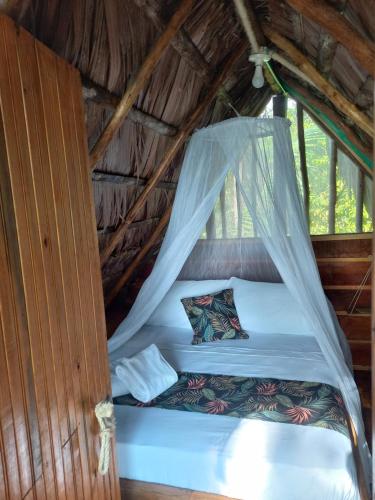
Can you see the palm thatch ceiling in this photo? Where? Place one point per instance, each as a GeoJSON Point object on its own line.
{"type": "Point", "coordinates": [108, 40]}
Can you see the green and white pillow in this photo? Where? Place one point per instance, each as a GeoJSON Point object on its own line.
{"type": "Point", "coordinates": [214, 317]}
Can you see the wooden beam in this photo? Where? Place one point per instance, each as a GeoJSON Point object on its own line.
{"type": "Point", "coordinates": [182, 42]}
{"type": "Point", "coordinates": [332, 187]}
{"type": "Point", "coordinates": [102, 97]}
{"type": "Point", "coordinates": [333, 115]}
{"type": "Point", "coordinates": [322, 13]}
{"type": "Point", "coordinates": [184, 133]}
{"type": "Point", "coordinates": [303, 162]}
{"type": "Point", "coordinates": [359, 201]}
{"type": "Point", "coordinates": [140, 80]}
{"type": "Point", "coordinates": [151, 241]}
{"type": "Point", "coordinates": [100, 176]}
{"type": "Point", "coordinates": [332, 93]}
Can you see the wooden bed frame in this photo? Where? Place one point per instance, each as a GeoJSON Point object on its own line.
{"type": "Point", "coordinates": [139, 490]}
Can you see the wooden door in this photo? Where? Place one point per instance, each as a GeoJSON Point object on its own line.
{"type": "Point", "coordinates": [53, 352]}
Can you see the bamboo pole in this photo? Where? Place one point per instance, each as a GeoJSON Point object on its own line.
{"type": "Point", "coordinates": [303, 163]}
{"type": "Point", "coordinates": [142, 253]}
{"type": "Point", "coordinates": [333, 94]}
{"type": "Point", "coordinates": [170, 154]}
{"type": "Point", "coordinates": [322, 13]}
{"type": "Point", "coordinates": [140, 80]}
{"type": "Point", "coordinates": [359, 201]}
{"type": "Point", "coordinates": [332, 187]}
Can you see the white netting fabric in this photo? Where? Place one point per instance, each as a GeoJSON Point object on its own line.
{"type": "Point", "coordinates": [258, 152]}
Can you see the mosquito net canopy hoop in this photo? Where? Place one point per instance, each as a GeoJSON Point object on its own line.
{"type": "Point", "coordinates": [259, 154]}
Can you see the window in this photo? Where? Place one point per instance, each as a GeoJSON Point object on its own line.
{"type": "Point", "coordinates": [340, 194]}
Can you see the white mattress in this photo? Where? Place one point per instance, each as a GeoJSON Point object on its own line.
{"type": "Point", "coordinates": [238, 458]}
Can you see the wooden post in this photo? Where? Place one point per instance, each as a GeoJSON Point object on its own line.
{"type": "Point", "coordinates": [279, 105]}
{"type": "Point", "coordinates": [359, 201]}
{"type": "Point", "coordinates": [322, 13]}
{"type": "Point", "coordinates": [211, 227]}
{"type": "Point", "coordinates": [170, 154]}
{"type": "Point", "coordinates": [140, 80]}
{"type": "Point", "coordinates": [303, 163]}
{"type": "Point", "coordinates": [331, 92]}
{"type": "Point", "coordinates": [151, 241]}
{"type": "Point", "coordinates": [332, 187]}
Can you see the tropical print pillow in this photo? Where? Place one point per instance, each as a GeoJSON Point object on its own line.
{"type": "Point", "coordinates": [214, 317]}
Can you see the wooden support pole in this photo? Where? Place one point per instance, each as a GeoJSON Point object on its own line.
{"type": "Point", "coordinates": [280, 105]}
{"type": "Point", "coordinates": [102, 97]}
{"type": "Point", "coordinates": [184, 133]}
{"type": "Point", "coordinates": [303, 162]}
{"type": "Point", "coordinates": [99, 176]}
{"type": "Point", "coordinates": [140, 80]}
{"type": "Point", "coordinates": [332, 187]}
{"type": "Point", "coordinates": [359, 201]}
{"type": "Point", "coordinates": [322, 13]}
{"type": "Point", "coordinates": [151, 241]}
{"type": "Point", "coordinates": [312, 103]}
{"type": "Point", "coordinates": [333, 94]}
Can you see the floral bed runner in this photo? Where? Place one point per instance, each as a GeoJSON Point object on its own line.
{"type": "Point", "coordinates": [273, 400]}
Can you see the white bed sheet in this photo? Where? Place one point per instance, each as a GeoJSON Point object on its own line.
{"type": "Point", "coordinates": [238, 458]}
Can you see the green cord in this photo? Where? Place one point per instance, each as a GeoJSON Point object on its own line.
{"type": "Point", "coordinates": [275, 78]}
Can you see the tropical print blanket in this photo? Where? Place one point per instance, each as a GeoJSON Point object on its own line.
{"type": "Point", "coordinates": [269, 399]}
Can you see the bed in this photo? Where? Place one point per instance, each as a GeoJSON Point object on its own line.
{"type": "Point", "coordinates": [227, 456]}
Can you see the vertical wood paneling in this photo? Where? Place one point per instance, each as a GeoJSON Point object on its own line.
{"type": "Point", "coordinates": [53, 353]}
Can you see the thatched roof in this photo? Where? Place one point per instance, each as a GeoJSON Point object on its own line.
{"type": "Point", "coordinates": [107, 40]}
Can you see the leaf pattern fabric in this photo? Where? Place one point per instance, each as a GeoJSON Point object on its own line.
{"type": "Point", "coordinates": [214, 317]}
{"type": "Point", "coordinates": [272, 400]}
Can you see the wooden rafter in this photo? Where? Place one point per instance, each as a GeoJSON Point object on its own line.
{"type": "Point", "coordinates": [108, 100]}
{"type": "Point", "coordinates": [182, 42]}
{"type": "Point", "coordinates": [140, 80]}
{"type": "Point", "coordinates": [100, 176]}
{"type": "Point", "coordinates": [170, 154]}
{"type": "Point", "coordinates": [256, 38]}
{"type": "Point", "coordinates": [332, 93]}
{"type": "Point", "coordinates": [311, 103]}
{"type": "Point", "coordinates": [151, 242]}
{"type": "Point", "coordinates": [322, 13]}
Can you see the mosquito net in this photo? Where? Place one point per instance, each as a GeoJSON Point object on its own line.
{"type": "Point", "coordinates": [258, 153]}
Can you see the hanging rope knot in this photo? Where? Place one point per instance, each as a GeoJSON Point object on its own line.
{"type": "Point", "coordinates": [107, 425]}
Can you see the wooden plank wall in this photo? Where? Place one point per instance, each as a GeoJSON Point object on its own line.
{"type": "Point", "coordinates": [53, 353]}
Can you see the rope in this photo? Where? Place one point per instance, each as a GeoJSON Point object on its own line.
{"type": "Point", "coordinates": [359, 290]}
{"type": "Point", "coordinates": [104, 414]}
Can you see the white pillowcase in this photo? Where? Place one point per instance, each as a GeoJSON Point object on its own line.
{"type": "Point", "coordinates": [145, 375]}
{"type": "Point", "coordinates": [268, 308]}
{"type": "Point", "coordinates": [170, 312]}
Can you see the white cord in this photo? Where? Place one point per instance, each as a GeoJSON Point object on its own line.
{"type": "Point", "coordinates": [104, 414]}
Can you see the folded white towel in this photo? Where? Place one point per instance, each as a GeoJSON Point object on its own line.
{"type": "Point", "coordinates": [146, 375]}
